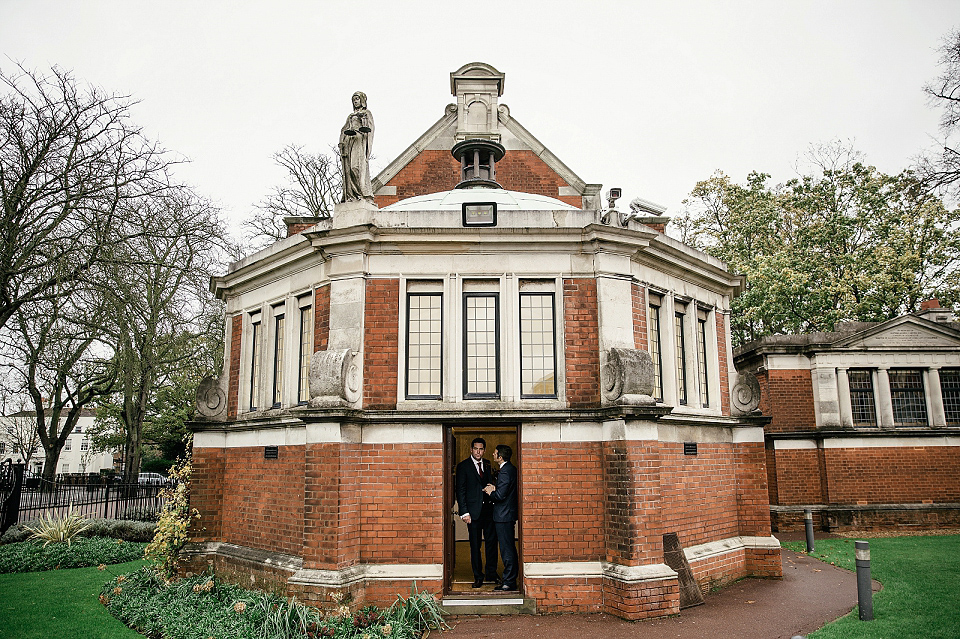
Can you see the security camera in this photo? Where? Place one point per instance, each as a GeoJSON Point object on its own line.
{"type": "Point", "coordinates": [612, 196]}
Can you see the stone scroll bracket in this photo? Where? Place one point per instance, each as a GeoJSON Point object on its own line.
{"type": "Point", "coordinates": [745, 398]}
{"type": "Point", "coordinates": [336, 378]}
{"type": "Point", "coordinates": [626, 377]}
{"type": "Point", "coordinates": [212, 399]}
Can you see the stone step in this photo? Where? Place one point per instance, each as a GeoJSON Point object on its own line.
{"type": "Point", "coordinates": [487, 605]}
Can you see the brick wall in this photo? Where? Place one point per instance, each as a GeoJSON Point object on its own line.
{"type": "Point", "coordinates": [894, 475]}
{"type": "Point", "coordinates": [639, 301]}
{"type": "Point", "coordinates": [321, 318]}
{"type": "Point", "coordinates": [331, 506]}
{"type": "Point", "coordinates": [401, 492]}
{"type": "Point", "coordinates": [263, 507]}
{"type": "Point", "coordinates": [233, 390]}
{"type": "Point", "coordinates": [381, 343]}
{"type": "Point", "coordinates": [565, 594]}
{"type": "Point", "coordinates": [643, 600]}
{"type": "Point", "coordinates": [562, 502]}
{"type": "Point", "coordinates": [632, 505]}
{"type": "Point", "coordinates": [787, 396]}
{"type": "Point", "coordinates": [582, 342]}
{"type": "Point", "coordinates": [798, 477]}
{"type": "Point", "coordinates": [699, 492]}
{"type": "Point", "coordinates": [432, 171]}
{"type": "Point", "coordinates": [723, 363]}
{"type": "Point", "coordinates": [206, 493]}
{"type": "Point", "coordinates": [753, 503]}
{"type": "Point", "coordinates": [772, 480]}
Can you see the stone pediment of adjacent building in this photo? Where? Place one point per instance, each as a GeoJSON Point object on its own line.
{"type": "Point", "coordinates": [902, 333]}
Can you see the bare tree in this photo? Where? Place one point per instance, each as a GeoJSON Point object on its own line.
{"type": "Point", "coordinates": [313, 185]}
{"type": "Point", "coordinates": [943, 168]}
{"type": "Point", "coordinates": [58, 355]}
{"type": "Point", "coordinates": [158, 293]}
{"type": "Point", "coordinates": [69, 159]}
{"type": "Point", "coordinates": [20, 430]}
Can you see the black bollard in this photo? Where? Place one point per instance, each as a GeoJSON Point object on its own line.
{"type": "Point", "coordinates": [864, 587]}
{"type": "Point", "coordinates": [808, 525]}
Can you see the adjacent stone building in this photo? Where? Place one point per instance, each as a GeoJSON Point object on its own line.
{"type": "Point", "coordinates": [865, 427]}
{"type": "Point", "coordinates": [487, 293]}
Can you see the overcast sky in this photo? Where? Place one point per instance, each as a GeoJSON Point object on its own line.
{"type": "Point", "coordinates": [650, 97]}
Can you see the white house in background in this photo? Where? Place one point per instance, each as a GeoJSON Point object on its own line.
{"type": "Point", "coordinates": [76, 457]}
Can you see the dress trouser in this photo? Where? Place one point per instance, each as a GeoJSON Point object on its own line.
{"type": "Point", "coordinates": [508, 550]}
{"type": "Point", "coordinates": [483, 530]}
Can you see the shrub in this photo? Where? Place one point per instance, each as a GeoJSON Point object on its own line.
{"type": "Point", "coordinates": [141, 514]}
{"type": "Point", "coordinates": [174, 522]}
{"type": "Point", "coordinates": [30, 556]}
{"type": "Point", "coordinates": [58, 529]}
{"type": "Point", "coordinates": [203, 606]}
{"type": "Point", "coordinates": [116, 528]}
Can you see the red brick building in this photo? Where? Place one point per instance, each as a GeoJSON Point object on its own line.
{"type": "Point", "coordinates": [865, 423]}
{"type": "Point", "coordinates": [364, 352]}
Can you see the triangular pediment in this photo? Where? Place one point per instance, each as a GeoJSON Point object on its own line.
{"type": "Point", "coordinates": [903, 332]}
{"type": "Point", "coordinates": [478, 110]}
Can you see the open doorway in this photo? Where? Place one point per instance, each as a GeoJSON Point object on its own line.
{"type": "Point", "coordinates": [457, 569]}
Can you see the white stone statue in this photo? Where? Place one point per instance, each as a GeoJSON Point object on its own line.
{"type": "Point", "coordinates": [356, 143]}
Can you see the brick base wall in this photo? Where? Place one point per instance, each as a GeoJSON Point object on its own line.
{"type": "Point", "coordinates": [566, 594]}
{"type": "Point", "coordinates": [854, 518]}
{"type": "Point", "coordinates": [634, 601]}
{"type": "Point", "coordinates": [336, 505]}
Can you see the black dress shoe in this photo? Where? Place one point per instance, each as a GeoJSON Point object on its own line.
{"type": "Point", "coordinates": [493, 580]}
{"type": "Point", "coordinates": [478, 583]}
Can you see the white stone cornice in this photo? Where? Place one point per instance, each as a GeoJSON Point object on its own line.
{"type": "Point", "coordinates": [562, 569]}
{"type": "Point", "coordinates": [724, 546]}
{"type": "Point", "coordinates": [638, 574]}
{"type": "Point", "coordinates": [366, 572]}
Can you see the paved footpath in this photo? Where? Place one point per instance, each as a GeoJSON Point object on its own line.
{"type": "Point", "coordinates": [810, 595]}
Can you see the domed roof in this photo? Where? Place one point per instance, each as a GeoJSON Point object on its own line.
{"type": "Point", "coordinates": [506, 201]}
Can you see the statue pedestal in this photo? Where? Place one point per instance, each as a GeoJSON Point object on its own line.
{"type": "Point", "coordinates": [353, 213]}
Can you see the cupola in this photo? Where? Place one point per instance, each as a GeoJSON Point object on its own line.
{"type": "Point", "coordinates": [478, 163]}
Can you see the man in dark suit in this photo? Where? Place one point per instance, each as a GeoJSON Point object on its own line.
{"type": "Point", "coordinates": [504, 496]}
{"type": "Point", "coordinates": [476, 510]}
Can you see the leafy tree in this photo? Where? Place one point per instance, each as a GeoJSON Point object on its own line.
{"type": "Point", "coordinates": [843, 242]}
{"type": "Point", "coordinates": [313, 185]}
{"type": "Point", "coordinates": [69, 160]}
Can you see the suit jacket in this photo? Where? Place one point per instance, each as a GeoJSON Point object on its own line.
{"type": "Point", "coordinates": [470, 495]}
{"type": "Point", "coordinates": [505, 496]}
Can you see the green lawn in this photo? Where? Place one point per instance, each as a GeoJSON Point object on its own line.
{"type": "Point", "coordinates": [921, 587]}
{"type": "Point", "coordinates": [60, 604]}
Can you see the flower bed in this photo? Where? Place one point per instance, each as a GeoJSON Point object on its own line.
{"type": "Point", "coordinates": [203, 607]}
{"type": "Point", "coordinates": [32, 556]}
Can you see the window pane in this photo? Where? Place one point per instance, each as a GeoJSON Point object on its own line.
{"type": "Point", "coordinates": [278, 361]}
{"type": "Point", "coordinates": [303, 392]}
{"type": "Point", "coordinates": [537, 364]}
{"type": "Point", "coordinates": [862, 402]}
{"type": "Point", "coordinates": [423, 345]}
{"type": "Point", "coordinates": [681, 360]}
{"type": "Point", "coordinates": [906, 393]}
{"type": "Point", "coordinates": [653, 323]}
{"type": "Point", "coordinates": [255, 366]}
{"type": "Point", "coordinates": [702, 362]}
{"type": "Point", "coordinates": [481, 365]}
{"type": "Point", "coordinates": [950, 391]}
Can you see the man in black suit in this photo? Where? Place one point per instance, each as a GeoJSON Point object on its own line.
{"type": "Point", "coordinates": [476, 510]}
{"type": "Point", "coordinates": [504, 496]}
